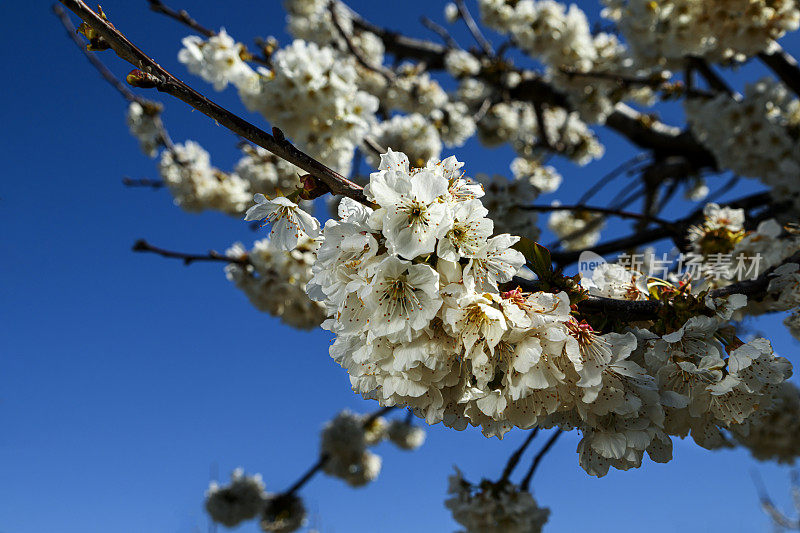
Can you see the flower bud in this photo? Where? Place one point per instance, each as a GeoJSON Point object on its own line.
{"type": "Point", "coordinates": [312, 187]}
{"type": "Point", "coordinates": [141, 79]}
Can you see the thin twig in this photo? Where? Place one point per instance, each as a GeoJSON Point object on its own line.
{"type": "Point", "coordinates": [371, 143]}
{"type": "Point", "coordinates": [388, 75]}
{"type": "Point", "coordinates": [593, 209]}
{"type": "Point", "coordinates": [526, 481]}
{"type": "Point", "coordinates": [143, 246]}
{"type": "Point", "coordinates": [517, 455]}
{"type": "Point", "coordinates": [605, 180]}
{"type": "Point", "coordinates": [109, 76]}
{"type": "Point", "coordinates": [311, 472]}
{"type": "Point", "coordinates": [320, 464]}
{"type": "Point", "coordinates": [441, 31]}
{"type": "Point", "coordinates": [181, 16]}
{"type": "Point", "coordinates": [143, 182]}
{"type": "Point", "coordinates": [485, 45]}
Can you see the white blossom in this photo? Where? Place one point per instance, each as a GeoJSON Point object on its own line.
{"type": "Point", "coordinates": [242, 499]}
{"type": "Point", "coordinates": [494, 508]}
{"type": "Point", "coordinates": [404, 435]}
{"type": "Point", "coordinates": [143, 124]}
{"type": "Point", "coordinates": [217, 60]}
{"type": "Point", "coordinates": [290, 224]}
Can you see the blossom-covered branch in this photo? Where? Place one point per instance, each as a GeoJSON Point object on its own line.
{"type": "Point", "coordinates": [150, 73]}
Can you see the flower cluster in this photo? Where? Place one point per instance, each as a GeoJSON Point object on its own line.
{"type": "Point", "coordinates": [494, 507]}
{"type": "Point", "coordinates": [344, 443]}
{"type": "Point", "coordinates": [245, 498]}
{"type": "Point", "coordinates": [274, 280]}
{"type": "Point", "coordinates": [218, 60]}
{"type": "Point", "coordinates": [611, 280]}
{"type": "Point", "coordinates": [311, 21]}
{"type": "Point", "coordinates": [414, 91]}
{"type": "Point", "coordinates": [516, 123]}
{"type": "Point", "coordinates": [756, 137]}
{"type": "Point", "coordinates": [562, 39]}
{"type": "Point", "coordinates": [666, 31]}
{"type": "Point", "coordinates": [238, 501]}
{"type": "Point", "coordinates": [266, 173]}
{"type": "Point", "coordinates": [312, 94]}
{"type": "Point", "coordinates": [197, 186]}
{"type": "Point", "coordinates": [577, 230]}
{"type": "Point", "coordinates": [143, 124]}
{"type": "Point", "coordinates": [722, 234]}
{"type": "Point", "coordinates": [411, 134]}
{"type": "Point", "coordinates": [774, 433]}
{"type": "Point", "coordinates": [405, 435]}
{"type": "Point", "coordinates": [505, 199]}
{"type": "Point", "coordinates": [412, 293]}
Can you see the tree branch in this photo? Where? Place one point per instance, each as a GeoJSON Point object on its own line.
{"type": "Point", "coordinates": [440, 31]}
{"type": "Point", "coordinates": [165, 82]}
{"type": "Point", "coordinates": [387, 74]}
{"type": "Point", "coordinates": [320, 464]}
{"type": "Point", "coordinates": [713, 79]}
{"type": "Point", "coordinates": [517, 455]}
{"type": "Point", "coordinates": [785, 67]}
{"type": "Point", "coordinates": [602, 210]}
{"type": "Point", "coordinates": [113, 80]}
{"type": "Point", "coordinates": [145, 247]}
{"type": "Point", "coordinates": [143, 182]}
{"type": "Point", "coordinates": [526, 481]}
{"type": "Point", "coordinates": [181, 16]}
{"type": "Point", "coordinates": [485, 45]}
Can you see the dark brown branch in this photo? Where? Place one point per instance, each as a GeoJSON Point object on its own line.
{"type": "Point", "coordinates": [181, 16]}
{"type": "Point", "coordinates": [714, 80]}
{"type": "Point", "coordinates": [306, 477]}
{"type": "Point", "coordinates": [145, 247]}
{"type": "Point", "coordinates": [517, 455]}
{"type": "Point", "coordinates": [632, 311]}
{"type": "Point", "coordinates": [785, 67]}
{"type": "Point", "coordinates": [143, 182]}
{"type": "Point", "coordinates": [646, 132]}
{"type": "Point", "coordinates": [165, 82]}
{"type": "Point", "coordinates": [485, 45]}
{"type": "Point", "coordinates": [526, 481]}
{"type": "Point", "coordinates": [402, 47]}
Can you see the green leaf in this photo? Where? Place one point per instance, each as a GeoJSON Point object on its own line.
{"type": "Point", "coordinates": [537, 257]}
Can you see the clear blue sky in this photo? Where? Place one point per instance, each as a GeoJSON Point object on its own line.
{"type": "Point", "coordinates": [126, 380]}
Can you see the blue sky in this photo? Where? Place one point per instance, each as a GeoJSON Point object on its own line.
{"type": "Point", "coordinates": [127, 381]}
